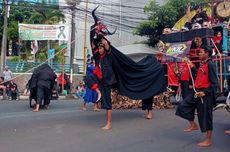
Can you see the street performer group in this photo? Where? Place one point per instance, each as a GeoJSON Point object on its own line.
{"type": "Point", "coordinates": [145, 79]}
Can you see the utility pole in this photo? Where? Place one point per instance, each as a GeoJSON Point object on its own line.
{"type": "Point", "coordinates": [4, 37]}
{"type": "Point", "coordinates": [85, 47]}
{"type": "Point", "coordinates": [120, 33]}
{"type": "Point", "coordinates": [72, 51]}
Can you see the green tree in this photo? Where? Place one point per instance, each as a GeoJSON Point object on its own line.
{"type": "Point", "coordinates": [161, 16]}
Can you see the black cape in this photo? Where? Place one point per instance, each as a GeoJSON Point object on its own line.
{"type": "Point", "coordinates": [43, 71]}
{"type": "Point", "coordinates": [137, 80]}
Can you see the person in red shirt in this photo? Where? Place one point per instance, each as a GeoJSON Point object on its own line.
{"type": "Point", "coordinates": [62, 81]}
{"type": "Point", "coordinates": [217, 40]}
{"type": "Point", "coordinates": [203, 99]}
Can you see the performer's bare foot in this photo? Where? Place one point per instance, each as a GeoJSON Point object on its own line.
{"type": "Point", "coordinates": [95, 107]}
{"type": "Point", "coordinates": [36, 110]}
{"type": "Point", "coordinates": [84, 108]}
{"type": "Point", "coordinates": [192, 127]}
{"type": "Point", "coordinates": [96, 110]}
{"type": "Point", "coordinates": [108, 126]}
{"type": "Point", "coordinates": [149, 116]}
{"type": "Point", "coordinates": [205, 143]}
{"type": "Point", "coordinates": [227, 131]}
{"type": "Point", "coordinates": [37, 106]}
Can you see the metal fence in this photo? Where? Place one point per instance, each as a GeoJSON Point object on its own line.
{"type": "Point", "coordinates": [24, 67]}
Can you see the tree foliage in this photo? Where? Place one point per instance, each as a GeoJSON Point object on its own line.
{"type": "Point", "coordinates": [161, 16]}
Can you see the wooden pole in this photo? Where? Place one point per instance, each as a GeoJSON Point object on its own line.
{"type": "Point", "coordinates": [63, 62]}
{"type": "Point", "coordinates": [4, 37]}
{"type": "Point", "coordinates": [85, 47]}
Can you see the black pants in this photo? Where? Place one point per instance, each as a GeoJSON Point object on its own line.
{"type": "Point", "coordinates": [204, 110]}
{"type": "Point", "coordinates": [185, 90]}
{"type": "Point", "coordinates": [147, 104]}
{"type": "Point", "coordinates": [205, 113]}
{"type": "Point", "coordinates": [106, 97]}
{"type": "Point", "coordinates": [186, 109]}
{"type": "Point", "coordinates": [43, 93]}
{"type": "Point", "coordinates": [106, 103]}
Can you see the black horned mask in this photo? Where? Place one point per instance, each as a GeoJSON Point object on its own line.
{"type": "Point", "coordinates": [100, 27]}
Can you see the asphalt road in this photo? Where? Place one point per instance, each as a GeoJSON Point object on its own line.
{"type": "Point", "coordinates": [66, 128]}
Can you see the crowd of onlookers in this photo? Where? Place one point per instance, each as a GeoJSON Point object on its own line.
{"type": "Point", "coordinates": [8, 86]}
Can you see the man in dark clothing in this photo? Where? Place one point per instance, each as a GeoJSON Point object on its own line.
{"type": "Point", "coordinates": [203, 99]}
{"type": "Point", "coordinates": [45, 78]}
{"type": "Point", "coordinates": [105, 78]}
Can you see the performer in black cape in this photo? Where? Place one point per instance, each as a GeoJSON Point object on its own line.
{"type": "Point", "coordinates": [204, 100]}
{"type": "Point", "coordinates": [32, 86]}
{"type": "Point", "coordinates": [137, 80]}
{"type": "Point", "coordinates": [44, 78]}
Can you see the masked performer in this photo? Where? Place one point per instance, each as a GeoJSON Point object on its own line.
{"type": "Point", "coordinates": [140, 80]}
{"type": "Point", "coordinates": [204, 99]}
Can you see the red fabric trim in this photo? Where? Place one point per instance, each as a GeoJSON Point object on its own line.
{"type": "Point", "coordinates": [95, 51]}
{"type": "Point", "coordinates": [95, 86]}
{"type": "Point", "coordinates": [102, 56]}
{"type": "Point", "coordinates": [97, 71]}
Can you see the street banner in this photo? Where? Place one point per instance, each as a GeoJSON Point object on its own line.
{"type": "Point", "coordinates": [43, 32]}
{"type": "Point", "coordinates": [175, 51]}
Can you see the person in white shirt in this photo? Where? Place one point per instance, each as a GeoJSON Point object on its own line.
{"type": "Point", "coordinates": [7, 74]}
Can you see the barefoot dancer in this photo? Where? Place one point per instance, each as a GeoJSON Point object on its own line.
{"type": "Point", "coordinates": [205, 84]}
{"type": "Point", "coordinates": [137, 80]}
{"type": "Point", "coordinates": [105, 77]}
{"type": "Point", "coordinates": [91, 95]}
